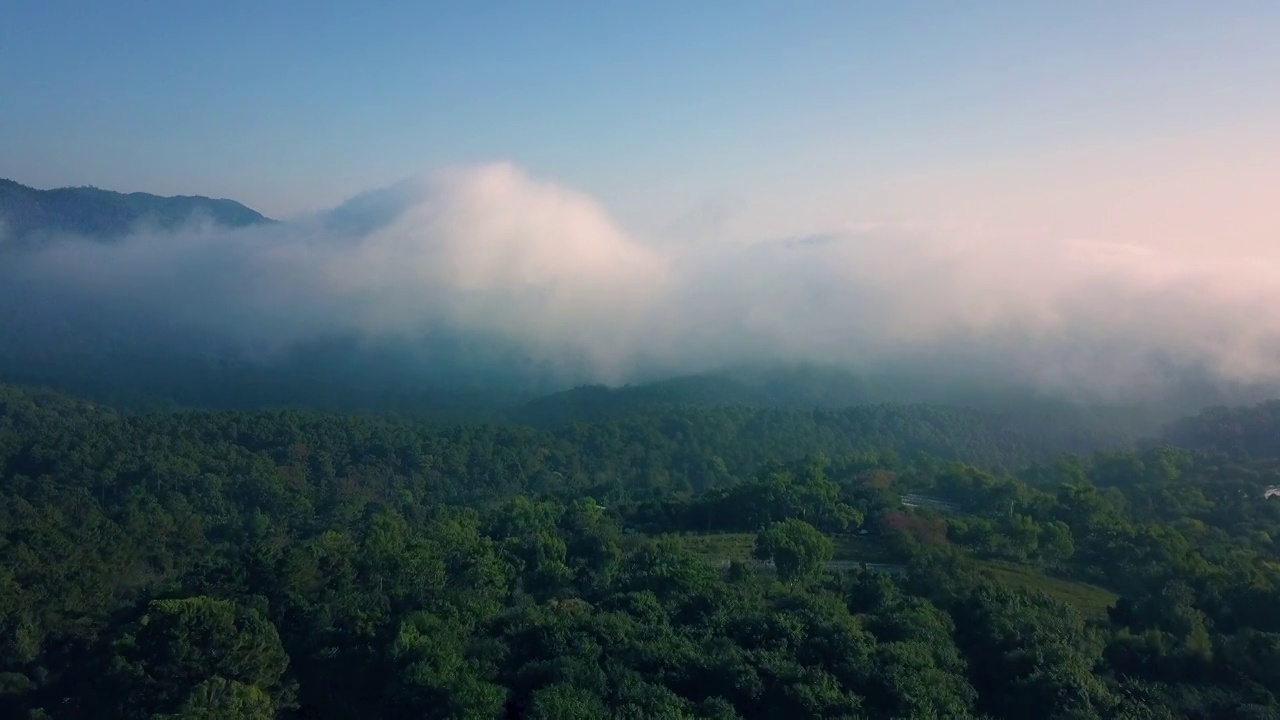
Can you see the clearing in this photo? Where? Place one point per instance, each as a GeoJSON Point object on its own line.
{"type": "Point", "coordinates": [852, 551]}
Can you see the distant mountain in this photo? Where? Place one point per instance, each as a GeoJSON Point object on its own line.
{"type": "Point", "coordinates": [29, 215]}
{"type": "Point", "coordinates": [802, 386]}
{"type": "Point", "coordinates": [785, 387]}
{"type": "Point", "coordinates": [1057, 422]}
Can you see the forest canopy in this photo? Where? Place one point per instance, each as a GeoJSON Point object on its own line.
{"type": "Point", "coordinates": [883, 561]}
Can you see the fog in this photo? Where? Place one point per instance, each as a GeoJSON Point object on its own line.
{"type": "Point", "coordinates": [495, 253]}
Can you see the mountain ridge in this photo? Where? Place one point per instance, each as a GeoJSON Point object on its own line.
{"type": "Point", "coordinates": [29, 215]}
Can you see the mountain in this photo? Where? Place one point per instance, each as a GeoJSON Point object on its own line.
{"type": "Point", "coordinates": [806, 386]}
{"type": "Point", "coordinates": [29, 215]}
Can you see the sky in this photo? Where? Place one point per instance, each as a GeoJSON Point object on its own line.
{"type": "Point", "coordinates": [1070, 182]}
{"type": "Point", "coordinates": [673, 113]}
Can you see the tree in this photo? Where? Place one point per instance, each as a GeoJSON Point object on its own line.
{"type": "Point", "coordinates": [566, 702]}
{"type": "Point", "coordinates": [222, 699]}
{"type": "Point", "coordinates": [1024, 535]}
{"type": "Point", "coordinates": [435, 677]}
{"type": "Point", "coordinates": [201, 653]}
{"type": "Point", "coordinates": [1056, 544]}
{"type": "Point", "coordinates": [796, 549]}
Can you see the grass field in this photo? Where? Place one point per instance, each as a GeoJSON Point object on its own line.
{"type": "Point", "coordinates": [737, 546]}
{"type": "Point", "coordinates": [718, 547]}
{"type": "Point", "coordinates": [1090, 600]}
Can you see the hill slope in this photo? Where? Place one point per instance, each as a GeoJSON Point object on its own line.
{"type": "Point", "coordinates": [1253, 430]}
{"type": "Point", "coordinates": [1061, 424]}
{"type": "Point", "coordinates": [28, 215]}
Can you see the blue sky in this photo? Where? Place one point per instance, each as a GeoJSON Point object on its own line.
{"type": "Point", "coordinates": [664, 111]}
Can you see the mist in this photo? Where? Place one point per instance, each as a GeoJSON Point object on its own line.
{"type": "Point", "coordinates": [493, 256]}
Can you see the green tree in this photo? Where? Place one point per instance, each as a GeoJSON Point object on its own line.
{"type": "Point", "coordinates": [796, 549]}
{"type": "Point", "coordinates": [1056, 544]}
{"type": "Point", "coordinates": [566, 702]}
{"type": "Point", "coordinates": [222, 699]}
{"type": "Point", "coordinates": [165, 660]}
{"type": "Point", "coordinates": [435, 676]}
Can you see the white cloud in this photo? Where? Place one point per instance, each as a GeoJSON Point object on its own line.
{"type": "Point", "coordinates": [491, 250]}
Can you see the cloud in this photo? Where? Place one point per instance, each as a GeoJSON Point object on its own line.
{"type": "Point", "coordinates": [494, 252]}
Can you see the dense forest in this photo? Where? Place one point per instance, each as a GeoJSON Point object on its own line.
{"type": "Point", "coordinates": [880, 561]}
{"type": "Point", "coordinates": [1253, 431]}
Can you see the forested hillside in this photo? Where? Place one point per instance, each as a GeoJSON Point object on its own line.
{"type": "Point", "coordinates": [728, 564]}
{"type": "Point", "coordinates": [1253, 430]}
{"type": "Point", "coordinates": [1010, 435]}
